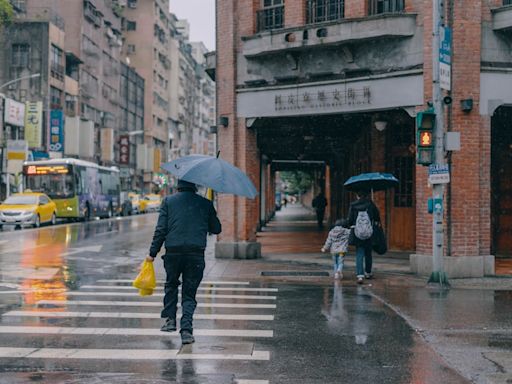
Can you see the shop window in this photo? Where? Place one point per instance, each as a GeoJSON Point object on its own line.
{"type": "Point", "coordinates": [376, 7]}
{"type": "Point", "coordinates": [271, 16]}
{"type": "Point", "coordinates": [404, 171]}
{"type": "Point", "coordinates": [507, 2]}
{"type": "Point", "coordinates": [319, 11]}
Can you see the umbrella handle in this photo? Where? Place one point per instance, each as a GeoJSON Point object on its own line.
{"type": "Point", "coordinates": [218, 154]}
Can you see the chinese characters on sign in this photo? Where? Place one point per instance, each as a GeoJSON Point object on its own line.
{"type": "Point", "coordinates": [323, 99]}
{"type": "Point", "coordinates": [124, 149]}
{"type": "Point", "coordinates": [34, 123]}
{"type": "Point", "coordinates": [56, 131]}
{"type": "Point", "coordinates": [445, 59]}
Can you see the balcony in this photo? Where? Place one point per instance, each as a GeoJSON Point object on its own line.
{"type": "Point", "coordinates": [320, 11]}
{"type": "Point", "coordinates": [336, 33]}
{"type": "Point", "coordinates": [502, 17]}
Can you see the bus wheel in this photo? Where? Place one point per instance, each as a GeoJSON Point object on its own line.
{"type": "Point", "coordinates": [54, 219]}
{"type": "Point", "coordinates": [37, 223]}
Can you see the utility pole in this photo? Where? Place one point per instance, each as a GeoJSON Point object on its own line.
{"type": "Point", "coordinates": [438, 275]}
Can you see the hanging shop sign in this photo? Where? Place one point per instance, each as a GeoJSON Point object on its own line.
{"type": "Point", "coordinates": [34, 124]}
{"type": "Point", "coordinates": [14, 113]}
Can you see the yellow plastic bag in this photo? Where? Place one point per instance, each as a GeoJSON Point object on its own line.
{"type": "Point", "coordinates": [146, 280]}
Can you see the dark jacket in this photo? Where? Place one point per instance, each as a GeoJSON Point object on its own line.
{"type": "Point", "coordinates": [363, 204]}
{"type": "Point", "coordinates": [185, 220]}
{"type": "Point", "coordinates": [319, 203]}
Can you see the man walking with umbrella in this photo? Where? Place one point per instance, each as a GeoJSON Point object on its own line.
{"type": "Point", "coordinates": [183, 224]}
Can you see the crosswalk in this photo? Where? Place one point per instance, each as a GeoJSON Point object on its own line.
{"type": "Point", "coordinates": [108, 321]}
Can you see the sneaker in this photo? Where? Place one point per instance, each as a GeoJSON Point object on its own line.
{"type": "Point", "coordinates": [337, 275]}
{"type": "Point", "coordinates": [360, 280]}
{"type": "Point", "coordinates": [169, 326]}
{"type": "Point", "coordinates": [187, 338]}
{"type": "Point", "coordinates": [368, 276]}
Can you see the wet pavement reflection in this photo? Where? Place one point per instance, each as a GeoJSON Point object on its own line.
{"type": "Point", "coordinates": [69, 315]}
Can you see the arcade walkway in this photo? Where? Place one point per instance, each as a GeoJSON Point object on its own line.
{"type": "Point", "coordinates": [293, 236]}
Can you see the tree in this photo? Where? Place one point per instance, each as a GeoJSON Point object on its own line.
{"type": "Point", "coordinates": [6, 12]}
{"type": "Point", "coordinates": [298, 181]}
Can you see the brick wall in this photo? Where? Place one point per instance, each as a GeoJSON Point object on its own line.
{"type": "Point", "coordinates": [355, 8]}
{"type": "Point", "coordinates": [294, 13]}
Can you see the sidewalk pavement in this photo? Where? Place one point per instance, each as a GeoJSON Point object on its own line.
{"type": "Point", "coordinates": [469, 325]}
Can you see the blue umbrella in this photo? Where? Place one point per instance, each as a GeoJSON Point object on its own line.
{"type": "Point", "coordinates": [212, 172]}
{"type": "Point", "coordinates": [371, 182]}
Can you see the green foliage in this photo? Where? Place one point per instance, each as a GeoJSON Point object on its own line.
{"type": "Point", "coordinates": [298, 181]}
{"type": "Point", "coordinates": [6, 12]}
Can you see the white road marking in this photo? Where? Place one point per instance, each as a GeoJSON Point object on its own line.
{"type": "Point", "coordinates": [252, 382]}
{"type": "Point", "coordinates": [135, 315]}
{"type": "Point", "coordinates": [94, 248]}
{"type": "Point", "coordinates": [135, 294]}
{"type": "Point", "coordinates": [161, 282]}
{"type": "Point", "coordinates": [151, 304]}
{"type": "Point", "coordinates": [125, 354]}
{"type": "Point", "coordinates": [241, 289]}
{"type": "Point", "coordinates": [131, 331]}
{"type": "Point", "coordinates": [32, 273]}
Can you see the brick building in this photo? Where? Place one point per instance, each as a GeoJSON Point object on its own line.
{"type": "Point", "coordinates": [305, 81]}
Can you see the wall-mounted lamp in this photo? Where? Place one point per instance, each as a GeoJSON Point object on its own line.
{"type": "Point", "coordinates": [466, 105]}
{"type": "Point", "coordinates": [224, 121]}
{"type": "Point", "coordinates": [380, 125]}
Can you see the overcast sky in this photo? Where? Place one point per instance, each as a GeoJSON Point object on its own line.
{"type": "Point", "coordinates": [201, 15]}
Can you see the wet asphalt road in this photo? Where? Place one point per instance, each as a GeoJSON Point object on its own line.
{"type": "Point", "coordinates": [69, 315]}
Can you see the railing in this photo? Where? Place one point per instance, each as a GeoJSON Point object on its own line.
{"type": "Point", "coordinates": [57, 71]}
{"type": "Point", "coordinates": [376, 7]}
{"type": "Point", "coordinates": [319, 11]}
{"type": "Point", "coordinates": [270, 18]}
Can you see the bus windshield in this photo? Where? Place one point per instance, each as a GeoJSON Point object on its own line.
{"type": "Point", "coordinates": [56, 186]}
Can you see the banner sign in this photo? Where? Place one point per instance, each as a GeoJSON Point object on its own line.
{"type": "Point", "coordinates": [34, 124]}
{"type": "Point", "coordinates": [56, 131]}
{"type": "Point", "coordinates": [124, 149]}
{"type": "Point", "coordinates": [14, 113]}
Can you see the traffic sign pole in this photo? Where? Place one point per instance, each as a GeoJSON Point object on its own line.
{"type": "Point", "coordinates": [438, 275]}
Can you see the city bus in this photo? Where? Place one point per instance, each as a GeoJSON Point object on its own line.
{"type": "Point", "coordinates": [80, 189]}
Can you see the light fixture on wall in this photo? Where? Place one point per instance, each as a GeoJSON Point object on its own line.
{"type": "Point", "coordinates": [224, 121]}
{"type": "Point", "coordinates": [380, 125]}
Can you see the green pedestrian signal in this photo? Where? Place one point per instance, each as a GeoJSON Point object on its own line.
{"type": "Point", "coordinates": [425, 147]}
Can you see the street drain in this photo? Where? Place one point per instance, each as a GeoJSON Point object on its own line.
{"type": "Point", "coordinates": [294, 273]}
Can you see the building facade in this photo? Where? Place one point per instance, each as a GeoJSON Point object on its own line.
{"type": "Point", "coordinates": [307, 80]}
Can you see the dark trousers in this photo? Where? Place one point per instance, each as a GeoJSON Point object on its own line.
{"type": "Point", "coordinates": [320, 217]}
{"type": "Point", "coordinates": [364, 259]}
{"type": "Point", "coordinates": [190, 268]}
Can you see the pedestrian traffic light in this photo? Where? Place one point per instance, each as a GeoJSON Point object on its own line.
{"type": "Point", "coordinates": [425, 123]}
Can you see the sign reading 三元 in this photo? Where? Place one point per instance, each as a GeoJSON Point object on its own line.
{"type": "Point", "coordinates": [34, 124]}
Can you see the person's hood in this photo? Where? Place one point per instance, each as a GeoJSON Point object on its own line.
{"type": "Point", "coordinates": [337, 230]}
{"type": "Point", "coordinates": [185, 185]}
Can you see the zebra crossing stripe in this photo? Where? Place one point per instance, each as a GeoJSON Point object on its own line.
{"type": "Point", "coordinates": [123, 354]}
{"type": "Point", "coordinates": [135, 315]}
{"type": "Point", "coordinates": [132, 331]}
{"type": "Point", "coordinates": [241, 289]}
{"type": "Point", "coordinates": [127, 281]}
{"type": "Point", "coordinates": [199, 295]}
{"type": "Point", "coordinates": [135, 294]}
{"type": "Point", "coordinates": [251, 382]}
{"type": "Point", "coordinates": [152, 304]}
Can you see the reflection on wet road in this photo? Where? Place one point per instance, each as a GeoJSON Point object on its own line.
{"type": "Point", "coordinates": [69, 315]}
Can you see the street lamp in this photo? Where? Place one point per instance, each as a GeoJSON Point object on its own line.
{"type": "Point", "coordinates": [33, 76]}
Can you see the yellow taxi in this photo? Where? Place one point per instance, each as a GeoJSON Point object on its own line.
{"type": "Point", "coordinates": [28, 208]}
{"type": "Point", "coordinates": [150, 203]}
{"type": "Point", "coordinates": [135, 200]}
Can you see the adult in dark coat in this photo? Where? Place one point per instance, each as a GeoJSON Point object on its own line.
{"type": "Point", "coordinates": [364, 258]}
{"type": "Point", "coordinates": [184, 222]}
{"type": "Point", "coordinates": [319, 203]}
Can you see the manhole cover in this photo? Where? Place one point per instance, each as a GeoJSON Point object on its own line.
{"type": "Point", "coordinates": [294, 273]}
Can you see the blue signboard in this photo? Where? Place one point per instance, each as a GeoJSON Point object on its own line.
{"type": "Point", "coordinates": [445, 58]}
{"type": "Point", "coordinates": [56, 131]}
